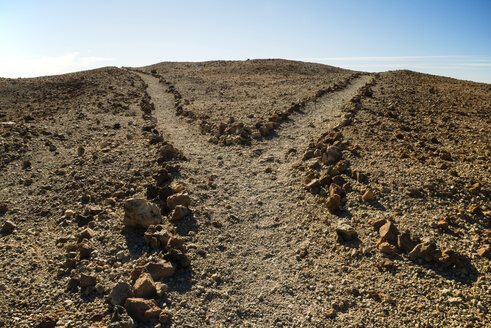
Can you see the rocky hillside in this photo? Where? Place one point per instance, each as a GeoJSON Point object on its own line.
{"type": "Point", "coordinates": [262, 193]}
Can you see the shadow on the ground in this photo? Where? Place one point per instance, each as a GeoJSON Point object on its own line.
{"type": "Point", "coordinates": [353, 243]}
{"type": "Point", "coordinates": [376, 205]}
{"type": "Point", "coordinates": [135, 242]}
{"type": "Point", "coordinates": [466, 274]}
{"type": "Point", "coordinates": [344, 214]}
{"type": "Point", "coordinates": [184, 226]}
{"type": "Point", "coordinates": [453, 273]}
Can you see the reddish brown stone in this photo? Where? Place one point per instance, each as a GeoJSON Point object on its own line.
{"type": "Point", "coordinates": [389, 232]}
{"type": "Point", "coordinates": [144, 286]}
{"type": "Point", "coordinates": [387, 248]}
{"type": "Point", "coordinates": [484, 251]}
{"type": "Point", "coordinates": [333, 202]}
{"type": "Point", "coordinates": [141, 309]}
{"type": "Point", "coordinates": [161, 269]}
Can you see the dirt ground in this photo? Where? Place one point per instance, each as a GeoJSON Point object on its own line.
{"type": "Point", "coordinates": [264, 242]}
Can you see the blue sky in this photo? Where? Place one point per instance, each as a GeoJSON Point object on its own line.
{"type": "Point", "coordinates": [451, 38]}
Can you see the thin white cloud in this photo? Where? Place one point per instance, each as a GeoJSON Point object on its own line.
{"type": "Point", "coordinates": [22, 66]}
{"type": "Point", "coordinates": [414, 65]}
{"type": "Point", "coordinates": [382, 58]}
{"type": "Point", "coordinates": [477, 64]}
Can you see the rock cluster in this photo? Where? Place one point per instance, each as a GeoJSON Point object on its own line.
{"type": "Point", "coordinates": [392, 242]}
{"type": "Point", "coordinates": [232, 132]}
{"type": "Point", "coordinates": [160, 238]}
{"type": "Point", "coordinates": [327, 171]}
{"type": "Point", "coordinates": [138, 299]}
{"type": "Point", "coordinates": [163, 192]}
{"type": "Point", "coordinates": [237, 133]}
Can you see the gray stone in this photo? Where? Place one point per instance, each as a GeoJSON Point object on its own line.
{"type": "Point", "coordinates": [333, 154]}
{"type": "Point", "coordinates": [345, 231]}
{"type": "Point", "coordinates": [120, 292]}
{"type": "Point", "coordinates": [179, 213]}
{"type": "Point", "coordinates": [120, 318]}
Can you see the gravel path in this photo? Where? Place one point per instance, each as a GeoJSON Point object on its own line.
{"type": "Point", "coordinates": [248, 272]}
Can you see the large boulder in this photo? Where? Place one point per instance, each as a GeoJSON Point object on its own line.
{"type": "Point", "coordinates": [138, 212]}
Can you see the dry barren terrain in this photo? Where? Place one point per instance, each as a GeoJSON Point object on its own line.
{"type": "Point", "coordinates": [262, 193]}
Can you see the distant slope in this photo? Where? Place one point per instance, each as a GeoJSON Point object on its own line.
{"type": "Point", "coordinates": [248, 91]}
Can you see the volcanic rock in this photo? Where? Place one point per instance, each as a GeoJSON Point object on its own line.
{"type": "Point", "coordinates": [377, 224]}
{"type": "Point", "coordinates": [120, 292]}
{"type": "Point", "coordinates": [144, 286]}
{"type": "Point", "coordinates": [405, 242]}
{"type": "Point", "coordinates": [333, 154]}
{"type": "Point", "coordinates": [120, 318]}
{"type": "Point", "coordinates": [313, 186]}
{"type": "Point", "coordinates": [142, 309]}
{"type": "Point", "coordinates": [87, 280]}
{"type": "Point", "coordinates": [87, 233]}
{"type": "Point", "coordinates": [335, 189]}
{"type": "Point", "coordinates": [48, 320]}
{"type": "Point", "coordinates": [425, 250]}
{"type": "Point", "coordinates": [178, 199]}
{"type": "Point", "coordinates": [339, 180]}
{"type": "Point", "coordinates": [333, 202]}
{"type": "Point", "coordinates": [84, 249]}
{"type": "Point", "coordinates": [138, 212]}
{"type": "Point", "coordinates": [160, 269]}
{"type": "Point", "coordinates": [368, 195]}
{"type": "Point", "coordinates": [340, 167]}
{"type": "Point", "coordinates": [175, 242]}
{"type": "Point", "coordinates": [345, 231]}
{"type": "Point", "coordinates": [387, 248]}
{"type": "Point", "coordinates": [450, 257]}
{"type": "Point", "coordinates": [388, 232]}
{"type": "Point", "coordinates": [179, 213]}
{"type": "Point", "coordinates": [160, 289]}
{"type": "Point", "coordinates": [8, 226]}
